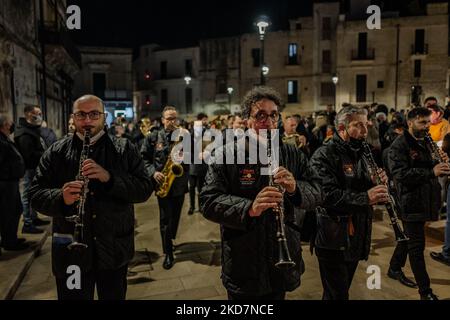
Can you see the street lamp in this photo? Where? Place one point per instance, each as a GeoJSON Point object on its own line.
{"type": "Point", "coordinates": [230, 92]}
{"type": "Point", "coordinates": [187, 79]}
{"type": "Point", "coordinates": [262, 23]}
{"type": "Point", "coordinates": [335, 80]}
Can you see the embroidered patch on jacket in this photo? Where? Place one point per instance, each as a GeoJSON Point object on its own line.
{"type": "Point", "coordinates": [247, 177]}
{"type": "Point", "coordinates": [413, 154]}
{"type": "Point", "coordinates": [349, 170]}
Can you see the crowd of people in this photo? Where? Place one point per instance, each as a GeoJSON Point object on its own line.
{"type": "Point", "coordinates": [323, 186]}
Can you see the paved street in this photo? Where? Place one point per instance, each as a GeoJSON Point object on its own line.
{"type": "Point", "coordinates": [196, 274]}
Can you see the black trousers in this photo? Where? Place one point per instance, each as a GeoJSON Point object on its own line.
{"type": "Point", "coordinates": [414, 247]}
{"type": "Point", "coordinates": [336, 274]}
{"type": "Point", "coordinates": [271, 296]}
{"type": "Point", "coordinates": [10, 212]}
{"type": "Point", "coordinates": [169, 218]}
{"type": "Point", "coordinates": [111, 285]}
{"type": "Point", "coordinates": [196, 181]}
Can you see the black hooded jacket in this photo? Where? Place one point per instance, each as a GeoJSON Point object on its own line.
{"type": "Point", "coordinates": [109, 221]}
{"type": "Point", "coordinates": [411, 166]}
{"type": "Point", "coordinates": [345, 182]}
{"type": "Point", "coordinates": [249, 245]}
{"type": "Point", "coordinates": [29, 143]}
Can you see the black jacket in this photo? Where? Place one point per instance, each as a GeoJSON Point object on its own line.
{"type": "Point", "coordinates": [345, 181]}
{"type": "Point", "coordinates": [411, 166]}
{"type": "Point", "coordinates": [12, 168]}
{"type": "Point", "coordinates": [155, 151]}
{"type": "Point", "coordinates": [30, 143]}
{"type": "Point", "coordinates": [249, 245]}
{"type": "Point", "coordinates": [109, 222]}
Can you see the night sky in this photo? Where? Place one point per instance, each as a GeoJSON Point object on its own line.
{"type": "Point", "coordinates": [130, 23]}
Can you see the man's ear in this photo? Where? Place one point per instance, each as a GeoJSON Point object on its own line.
{"type": "Point", "coordinates": [341, 127]}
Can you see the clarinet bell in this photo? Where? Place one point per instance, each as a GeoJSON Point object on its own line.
{"type": "Point", "coordinates": [284, 258]}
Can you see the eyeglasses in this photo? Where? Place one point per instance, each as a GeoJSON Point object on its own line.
{"type": "Point", "coordinates": [262, 116]}
{"type": "Point", "coordinates": [93, 115]}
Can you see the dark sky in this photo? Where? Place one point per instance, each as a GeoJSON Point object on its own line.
{"type": "Point", "coordinates": [131, 23]}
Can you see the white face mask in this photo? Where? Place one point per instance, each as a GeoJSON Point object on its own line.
{"type": "Point", "coordinates": [36, 120]}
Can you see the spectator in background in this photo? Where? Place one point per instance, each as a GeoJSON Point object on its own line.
{"type": "Point", "coordinates": [331, 114]}
{"type": "Point", "coordinates": [439, 126]}
{"type": "Point", "coordinates": [31, 145]}
{"type": "Point", "coordinates": [447, 111]}
{"type": "Point", "coordinates": [383, 127]}
{"type": "Point", "coordinates": [12, 168]}
{"type": "Point", "coordinates": [430, 101]}
{"type": "Point", "coordinates": [71, 127]}
{"type": "Point", "coordinates": [48, 134]}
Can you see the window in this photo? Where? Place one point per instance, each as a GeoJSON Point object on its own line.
{"type": "Point", "coordinates": [256, 56]}
{"type": "Point", "coordinates": [361, 84]}
{"type": "Point", "coordinates": [221, 85]}
{"type": "Point", "coordinates": [163, 69]}
{"type": "Point", "coordinates": [292, 91]}
{"type": "Point", "coordinates": [326, 61]}
{"type": "Point", "coordinates": [380, 84]}
{"type": "Point", "coordinates": [362, 45]}
{"type": "Point", "coordinates": [99, 84]}
{"type": "Point", "coordinates": [164, 97]}
{"type": "Point", "coordinates": [326, 28]}
{"type": "Point", "coordinates": [188, 99]}
{"type": "Point", "coordinates": [419, 46]}
{"type": "Point", "coordinates": [292, 53]}
{"type": "Point", "coordinates": [417, 68]}
{"type": "Point", "coordinates": [188, 67]}
{"type": "Point", "coordinates": [327, 89]}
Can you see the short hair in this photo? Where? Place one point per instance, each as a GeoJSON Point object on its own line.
{"type": "Point", "coordinates": [258, 94]}
{"type": "Point", "coordinates": [29, 108]}
{"type": "Point", "coordinates": [344, 115]}
{"type": "Point", "coordinates": [3, 120]}
{"type": "Point", "coordinates": [418, 112]}
{"type": "Point", "coordinates": [88, 97]}
{"type": "Point", "coordinates": [168, 108]}
{"type": "Point", "coordinates": [201, 115]}
{"type": "Point", "coordinates": [436, 108]}
{"type": "Point", "coordinates": [430, 98]}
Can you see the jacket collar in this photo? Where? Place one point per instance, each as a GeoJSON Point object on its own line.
{"type": "Point", "coordinates": [412, 142]}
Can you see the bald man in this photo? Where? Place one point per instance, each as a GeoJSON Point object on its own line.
{"type": "Point", "coordinates": [117, 180]}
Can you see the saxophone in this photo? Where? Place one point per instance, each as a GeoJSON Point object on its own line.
{"type": "Point", "coordinates": [170, 171]}
{"type": "Point", "coordinates": [293, 139]}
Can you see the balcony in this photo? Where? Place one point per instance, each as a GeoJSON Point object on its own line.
{"type": "Point", "coordinates": [359, 55]}
{"type": "Point", "coordinates": [419, 50]}
{"type": "Point", "coordinates": [292, 60]}
{"type": "Point", "coordinates": [52, 37]}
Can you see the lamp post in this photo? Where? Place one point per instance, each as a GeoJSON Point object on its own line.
{"type": "Point", "coordinates": [335, 80]}
{"type": "Point", "coordinates": [188, 80]}
{"type": "Point", "coordinates": [230, 92]}
{"type": "Point", "coordinates": [262, 23]}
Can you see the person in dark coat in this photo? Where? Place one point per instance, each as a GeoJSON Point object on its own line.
{"type": "Point", "coordinates": [48, 134]}
{"type": "Point", "coordinates": [415, 173]}
{"type": "Point", "coordinates": [155, 151]}
{"type": "Point", "coordinates": [237, 197]}
{"type": "Point", "coordinates": [117, 180]}
{"type": "Point", "coordinates": [197, 169]}
{"type": "Point", "coordinates": [344, 223]}
{"type": "Point", "coordinates": [12, 168]}
{"type": "Point", "coordinates": [31, 146]}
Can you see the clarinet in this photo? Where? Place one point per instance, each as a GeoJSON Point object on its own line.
{"type": "Point", "coordinates": [78, 219]}
{"type": "Point", "coordinates": [391, 204]}
{"type": "Point", "coordinates": [284, 258]}
{"type": "Point", "coordinates": [436, 152]}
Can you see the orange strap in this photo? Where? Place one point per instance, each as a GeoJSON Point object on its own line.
{"type": "Point", "coordinates": [351, 228]}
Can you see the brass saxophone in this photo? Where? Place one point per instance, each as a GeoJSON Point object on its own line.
{"type": "Point", "coordinates": [293, 139]}
{"type": "Point", "coordinates": [78, 219]}
{"type": "Point", "coordinates": [170, 171]}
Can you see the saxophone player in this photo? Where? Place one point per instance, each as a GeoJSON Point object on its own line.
{"type": "Point", "coordinates": [238, 197]}
{"type": "Point", "coordinates": [155, 151]}
{"type": "Point", "coordinates": [116, 179]}
{"type": "Point", "coordinates": [415, 173]}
